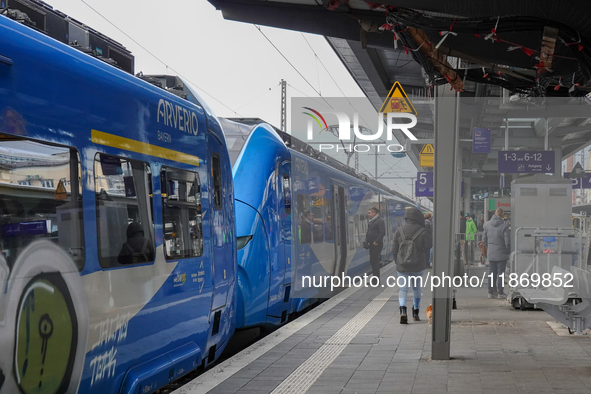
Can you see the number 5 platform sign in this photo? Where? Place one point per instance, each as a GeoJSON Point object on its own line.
{"type": "Point", "coordinates": [424, 184]}
{"type": "Point", "coordinates": [517, 162]}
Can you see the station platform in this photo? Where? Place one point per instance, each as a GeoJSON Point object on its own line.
{"type": "Point", "coordinates": [353, 343]}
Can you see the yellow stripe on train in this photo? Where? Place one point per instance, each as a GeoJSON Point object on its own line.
{"type": "Point", "coordinates": [115, 141]}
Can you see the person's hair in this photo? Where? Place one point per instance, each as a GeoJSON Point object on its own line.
{"type": "Point", "coordinates": [499, 212]}
{"type": "Point", "coordinates": [427, 215]}
{"type": "Point", "coordinates": [462, 213]}
{"type": "Point", "coordinates": [374, 209]}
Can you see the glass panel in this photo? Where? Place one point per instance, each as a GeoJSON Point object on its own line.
{"type": "Point", "coordinates": [124, 213]}
{"type": "Point", "coordinates": [317, 203]}
{"type": "Point", "coordinates": [36, 200]}
{"type": "Point", "coordinates": [216, 172]}
{"type": "Point", "coordinates": [181, 213]}
{"type": "Point", "coordinates": [287, 194]}
{"type": "Point", "coordinates": [304, 219]}
{"type": "Point", "coordinates": [328, 229]}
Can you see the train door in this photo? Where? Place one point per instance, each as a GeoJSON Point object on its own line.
{"type": "Point", "coordinates": [221, 265]}
{"type": "Point", "coordinates": [280, 289]}
{"type": "Point", "coordinates": [340, 229]}
{"type": "Point", "coordinates": [285, 213]}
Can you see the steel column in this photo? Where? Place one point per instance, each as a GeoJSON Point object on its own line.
{"type": "Point", "coordinates": [446, 146]}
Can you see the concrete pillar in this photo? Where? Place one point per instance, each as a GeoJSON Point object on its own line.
{"type": "Point", "coordinates": [446, 146]}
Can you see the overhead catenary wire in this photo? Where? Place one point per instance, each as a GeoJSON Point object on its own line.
{"type": "Point", "coordinates": [291, 64]}
{"type": "Point", "coordinates": [157, 58]}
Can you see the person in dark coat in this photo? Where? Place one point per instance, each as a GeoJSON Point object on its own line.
{"type": "Point", "coordinates": [414, 222]}
{"type": "Point", "coordinates": [137, 249]}
{"type": "Point", "coordinates": [497, 239]}
{"type": "Point", "coordinates": [375, 238]}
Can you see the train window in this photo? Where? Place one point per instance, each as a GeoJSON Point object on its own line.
{"type": "Point", "coordinates": [304, 219]}
{"type": "Point", "coordinates": [317, 203]}
{"type": "Point", "coordinates": [36, 198]}
{"type": "Point", "coordinates": [181, 212]}
{"type": "Point", "coordinates": [287, 193]}
{"type": "Point", "coordinates": [328, 209]}
{"type": "Point", "coordinates": [124, 211]}
{"type": "Point", "coordinates": [216, 174]}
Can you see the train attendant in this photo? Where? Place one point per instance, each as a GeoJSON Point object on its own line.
{"type": "Point", "coordinates": [375, 239]}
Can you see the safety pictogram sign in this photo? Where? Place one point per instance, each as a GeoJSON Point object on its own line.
{"type": "Point", "coordinates": [397, 101]}
{"type": "Point", "coordinates": [427, 156]}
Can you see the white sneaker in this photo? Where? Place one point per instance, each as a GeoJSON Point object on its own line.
{"type": "Point", "coordinates": [491, 296]}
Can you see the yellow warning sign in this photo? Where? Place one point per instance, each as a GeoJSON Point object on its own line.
{"type": "Point", "coordinates": [427, 156]}
{"type": "Point", "coordinates": [397, 101]}
{"type": "Point", "coordinates": [428, 149]}
{"type": "Point", "coordinates": [60, 191]}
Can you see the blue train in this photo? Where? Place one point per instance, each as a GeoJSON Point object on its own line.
{"type": "Point", "coordinates": [127, 257]}
{"type": "Point", "coordinates": [299, 213]}
{"type": "Point", "coordinates": [94, 162]}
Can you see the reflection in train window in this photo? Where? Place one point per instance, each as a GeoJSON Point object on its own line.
{"type": "Point", "coordinates": [304, 219]}
{"type": "Point", "coordinates": [328, 209]}
{"type": "Point", "coordinates": [216, 173]}
{"type": "Point", "coordinates": [287, 194]}
{"type": "Point", "coordinates": [317, 221]}
{"type": "Point", "coordinates": [36, 199]}
{"type": "Point", "coordinates": [125, 224]}
{"type": "Point", "coordinates": [181, 212]}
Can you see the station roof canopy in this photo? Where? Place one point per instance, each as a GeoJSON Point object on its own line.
{"type": "Point", "coordinates": [531, 48]}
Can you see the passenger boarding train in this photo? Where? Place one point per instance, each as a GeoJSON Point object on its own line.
{"type": "Point", "coordinates": [124, 263]}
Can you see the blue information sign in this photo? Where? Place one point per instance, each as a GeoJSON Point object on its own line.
{"type": "Point", "coordinates": [520, 161]}
{"type": "Point", "coordinates": [577, 182]}
{"type": "Point", "coordinates": [424, 184]}
{"type": "Point", "coordinates": [481, 140]}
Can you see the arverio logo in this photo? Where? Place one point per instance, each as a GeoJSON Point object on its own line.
{"type": "Point", "coordinates": [397, 112]}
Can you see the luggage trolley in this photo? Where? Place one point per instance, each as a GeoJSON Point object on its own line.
{"type": "Point", "coordinates": [537, 251]}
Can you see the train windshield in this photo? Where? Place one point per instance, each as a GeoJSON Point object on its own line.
{"type": "Point", "coordinates": [236, 136]}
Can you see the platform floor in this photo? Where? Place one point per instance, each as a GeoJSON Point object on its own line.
{"type": "Point", "coordinates": [353, 343]}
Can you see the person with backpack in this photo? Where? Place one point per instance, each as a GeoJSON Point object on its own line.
{"type": "Point", "coordinates": [497, 240]}
{"type": "Point", "coordinates": [137, 249]}
{"type": "Point", "coordinates": [374, 239]}
{"type": "Point", "coordinates": [412, 243]}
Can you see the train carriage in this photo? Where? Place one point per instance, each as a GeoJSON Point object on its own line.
{"type": "Point", "coordinates": [93, 162]}
{"type": "Point", "coordinates": [298, 214]}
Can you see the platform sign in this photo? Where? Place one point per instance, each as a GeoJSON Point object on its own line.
{"type": "Point", "coordinates": [586, 182]}
{"type": "Point", "coordinates": [424, 184]}
{"type": "Point", "coordinates": [516, 162]}
{"type": "Point", "coordinates": [427, 156]}
{"type": "Point", "coordinates": [481, 140]}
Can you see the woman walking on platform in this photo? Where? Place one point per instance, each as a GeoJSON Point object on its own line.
{"type": "Point", "coordinates": [412, 243]}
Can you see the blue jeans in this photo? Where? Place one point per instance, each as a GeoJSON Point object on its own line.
{"type": "Point", "coordinates": [496, 268]}
{"type": "Point", "coordinates": [413, 279]}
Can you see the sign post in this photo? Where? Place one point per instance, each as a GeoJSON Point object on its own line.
{"type": "Point", "coordinates": [520, 161]}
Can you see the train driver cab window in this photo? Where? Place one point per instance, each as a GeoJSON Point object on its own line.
{"type": "Point", "coordinates": [216, 174]}
{"type": "Point", "coordinates": [40, 198]}
{"type": "Point", "coordinates": [125, 223]}
{"type": "Point", "coordinates": [181, 212]}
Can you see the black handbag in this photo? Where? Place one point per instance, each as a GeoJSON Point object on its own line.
{"type": "Point", "coordinates": [365, 245]}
